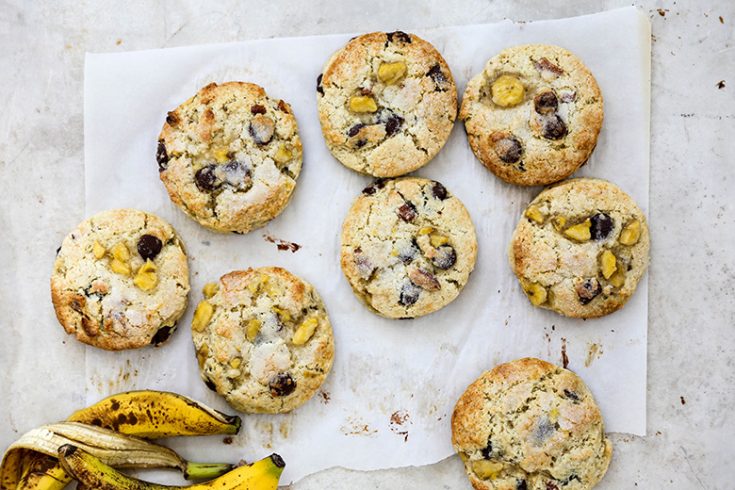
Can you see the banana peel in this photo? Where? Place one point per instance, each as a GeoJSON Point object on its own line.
{"type": "Point", "coordinates": [145, 413]}
{"type": "Point", "coordinates": [91, 472]}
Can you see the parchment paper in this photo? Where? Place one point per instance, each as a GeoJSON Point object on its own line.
{"type": "Point", "coordinates": [389, 398]}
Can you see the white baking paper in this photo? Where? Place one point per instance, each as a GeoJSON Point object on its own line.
{"type": "Point", "coordinates": [389, 398]}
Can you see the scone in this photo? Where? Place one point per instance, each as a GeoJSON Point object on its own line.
{"type": "Point", "coordinates": [408, 247]}
{"type": "Point", "coordinates": [120, 280]}
{"type": "Point", "coordinates": [263, 340]}
{"type": "Point", "coordinates": [533, 115]}
{"type": "Point", "coordinates": [530, 425]}
{"type": "Point", "coordinates": [580, 248]}
{"type": "Point", "coordinates": [387, 103]}
{"type": "Point", "coordinates": [230, 156]}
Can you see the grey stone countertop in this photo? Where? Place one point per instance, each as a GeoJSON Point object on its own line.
{"type": "Point", "coordinates": [691, 385]}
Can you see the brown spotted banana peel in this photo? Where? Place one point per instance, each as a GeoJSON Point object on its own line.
{"type": "Point", "coordinates": [93, 473]}
{"type": "Point", "coordinates": [111, 447]}
{"type": "Point", "coordinates": [144, 413]}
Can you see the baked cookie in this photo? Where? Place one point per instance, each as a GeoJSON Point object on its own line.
{"type": "Point", "coordinates": [263, 340]}
{"type": "Point", "coordinates": [387, 103]}
{"type": "Point", "coordinates": [533, 115]}
{"type": "Point", "coordinates": [580, 248]}
{"type": "Point", "coordinates": [120, 280]}
{"type": "Point", "coordinates": [530, 425]}
{"type": "Point", "coordinates": [408, 247]}
{"type": "Point", "coordinates": [230, 156]}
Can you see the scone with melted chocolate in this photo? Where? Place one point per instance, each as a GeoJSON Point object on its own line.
{"type": "Point", "coordinates": [530, 425]}
{"type": "Point", "coordinates": [230, 156]}
{"type": "Point", "coordinates": [263, 340]}
{"type": "Point", "coordinates": [387, 103]}
{"type": "Point", "coordinates": [120, 280]}
{"type": "Point", "coordinates": [408, 247]}
{"type": "Point", "coordinates": [533, 114]}
{"type": "Point", "coordinates": [580, 248]}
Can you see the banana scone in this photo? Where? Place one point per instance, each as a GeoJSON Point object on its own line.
{"type": "Point", "coordinates": [530, 425]}
{"type": "Point", "coordinates": [533, 114]}
{"type": "Point", "coordinates": [580, 248]}
{"type": "Point", "coordinates": [387, 103]}
{"type": "Point", "coordinates": [408, 247]}
{"type": "Point", "coordinates": [120, 280]}
{"type": "Point", "coordinates": [230, 156]}
{"type": "Point", "coordinates": [263, 340]}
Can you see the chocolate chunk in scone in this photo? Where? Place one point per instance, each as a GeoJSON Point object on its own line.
{"type": "Point", "coordinates": [121, 280]}
{"type": "Point", "coordinates": [408, 247]}
{"type": "Point", "coordinates": [580, 248]}
{"type": "Point", "coordinates": [528, 424]}
{"type": "Point", "coordinates": [387, 103]}
{"type": "Point", "coordinates": [533, 114]}
{"type": "Point", "coordinates": [230, 156]}
{"type": "Point", "coordinates": [263, 340]}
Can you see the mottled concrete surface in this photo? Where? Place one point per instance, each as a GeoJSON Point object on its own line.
{"type": "Point", "coordinates": [691, 339]}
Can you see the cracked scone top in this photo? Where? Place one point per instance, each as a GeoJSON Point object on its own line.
{"type": "Point", "coordinates": [533, 114]}
{"type": "Point", "coordinates": [408, 247]}
{"type": "Point", "coordinates": [580, 248]}
{"type": "Point", "coordinates": [263, 340]}
{"type": "Point", "coordinates": [230, 156]}
{"type": "Point", "coordinates": [120, 280]}
{"type": "Point", "coordinates": [530, 425]}
{"type": "Point", "coordinates": [387, 103]}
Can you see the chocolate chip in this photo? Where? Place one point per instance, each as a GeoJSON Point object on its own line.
{"type": "Point", "coordinates": [508, 148]}
{"type": "Point", "coordinates": [546, 102]}
{"type": "Point", "coordinates": [407, 212]}
{"type": "Point", "coordinates": [360, 143]}
{"type": "Point", "coordinates": [436, 73]}
{"type": "Point", "coordinates": [149, 246]}
{"type": "Point", "coordinates": [355, 129]}
{"type": "Point", "coordinates": [162, 336]}
{"type": "Point", "coordinates": [210, 384]}
{"type": "Point", "coordinates": [172, 119]}
{"type": "Point", "coordinates": [588, 290]}
{"type": "Point", "coordinates": [58, 250]}
{"type": "Point", "coordinates": [319, 87]}
{"type": "Point", "coordinates": [205, 179]}
{"type": "Point", "coordinates": [445, 257]}
{"type": "Point", "coordinates": [236, 174]}
{"type": "Point", "coordinates": [551, 486]}
{"type": "Point", "coordinates": [554, 127]}
{"type": "Point", "coordinates": [257, 109]}
{"type": "Point", "coordinates": [262, 129]}
{"type": "Point", "coordinates": [571, 395]}
{"type": "Point", "coordinates": [408, 253]}
{"type": "Point", "coordinates": [374, 187]}
{"type": "Point", "coordinates": [521, 485]}
{"type": "Point", "coordinates": [545, 65]}
{"type": "Point", "coordinates": [162, 156]}
{"type": "Point", "coordinates": [397, 36]}
{"type": "Point", "coordinates": [573, 476]}
{"type": "Point", "coordinates": [282, 384]}
{"type": "Point", "coordinates": [423, 279]}
{"type": "Point", "coordinates": [568, 96]}
{"type": "Point", "coordinates": [601, 226]}
{"type": "Point", "coordinates": [487, 450]}
{"type": "Point", "coordinates": [409, 294]}
{"type": "Point", "coordinates": [439, 191]}
{"type": "Point", "coordinates": [393, 124]}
